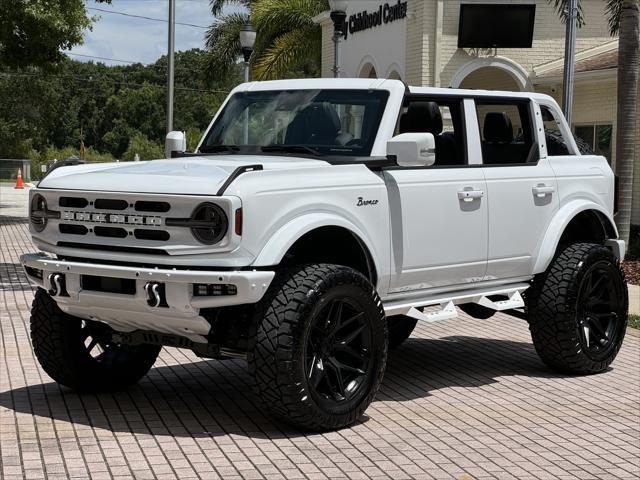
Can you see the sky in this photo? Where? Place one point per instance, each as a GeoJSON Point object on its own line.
{"type": "Point", "coordinates": [141, 40]}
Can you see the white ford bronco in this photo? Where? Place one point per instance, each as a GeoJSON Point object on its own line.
{"type": "Point", "coordinates": [316, 222]}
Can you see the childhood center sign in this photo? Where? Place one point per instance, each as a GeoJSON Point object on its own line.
{"type": "Point", "coordinates": [386, 13]}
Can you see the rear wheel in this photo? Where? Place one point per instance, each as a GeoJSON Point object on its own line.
{"type": "Point", "coordinates": [578, 310]}
{"type": "Point", "coordinates": [319, 348]}
{"type": "Point", "coordinates": [80, 354]}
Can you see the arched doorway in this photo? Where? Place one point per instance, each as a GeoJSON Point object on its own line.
{"type": "Point", "coordinates": [490, 78]}
{"type": "Point", "coordinates": [368, 71]}
{"type": "Point", "coordinates": [492, 73]}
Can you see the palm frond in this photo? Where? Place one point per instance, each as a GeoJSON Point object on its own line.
{"type": "Point", "coordinates": [287, 51]}
{"type": "Point", "coordinates": [222, 40]}
{"type": "Point", "coordinates": [284, 15]}
{"type": "Point", "coordinates": [217, 5]}
{"type": "Point", "coordinates": [614, 10]}
{"type": "Point", "coordinates": [562, 7]}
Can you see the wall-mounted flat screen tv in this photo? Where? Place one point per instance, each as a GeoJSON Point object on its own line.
{"type": "Point", "coordinates": [493, 25]}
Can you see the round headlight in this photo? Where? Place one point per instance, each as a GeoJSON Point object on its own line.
{"type": "Point", "coordinates": [38, 212]}
{"type": "Point", "coordinates": [209, 223]}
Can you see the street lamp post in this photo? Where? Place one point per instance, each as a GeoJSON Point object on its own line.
{"type": "Point", "coordinates": [170, 67]}
{"type": "Point", "coordinates": [247, 41]}
{"type": "Point", "coordinates": [569, 60]}
{"type": "Point", "coordinates": [338, 17]}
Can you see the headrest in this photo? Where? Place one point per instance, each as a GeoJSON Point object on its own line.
{"type": "Point", "coordinates": [497, 128]}
{"type": "Point", "coordinates": [317, 119]}
{"type": "Point", "coordinates": [422, 117]}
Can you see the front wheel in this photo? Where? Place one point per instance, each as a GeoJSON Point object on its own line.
{"type": "Point", "coordinates": [319, 347]}
{"type": "Point", "coordinates": [577, 310]}
{"type": "Point", "coordinates": [79, 353]}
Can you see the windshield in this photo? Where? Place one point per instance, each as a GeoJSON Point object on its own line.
{"type": "Point", "coordinates": [315, 122]}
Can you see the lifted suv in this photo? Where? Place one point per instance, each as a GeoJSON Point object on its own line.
{"type": "Point", "coordinates": [311, 228]}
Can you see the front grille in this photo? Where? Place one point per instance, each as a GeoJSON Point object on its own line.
{"type": "Point", "coordinates": [148, 224]}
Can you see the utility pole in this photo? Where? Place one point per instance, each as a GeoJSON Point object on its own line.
{"type": "Point", "coordinates": [569, 60]}
{"type": "Point", "coordinates": [170, 66]}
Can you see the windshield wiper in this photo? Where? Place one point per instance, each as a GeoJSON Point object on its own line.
{"type": "Point", "coordinates": [292, 149]}
{"type": "Point", "coordinates": [220, 149]}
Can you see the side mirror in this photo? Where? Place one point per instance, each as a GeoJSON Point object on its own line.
{"type": "Point", "coordinates": [175, 142]}
{"type": "Point", "coordinates": [413, 149]}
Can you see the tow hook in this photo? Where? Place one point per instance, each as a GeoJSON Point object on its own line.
{"type": "Point", "coordinates": [58, 285]}
{"type": "Point", "coordinates": [155, 294]}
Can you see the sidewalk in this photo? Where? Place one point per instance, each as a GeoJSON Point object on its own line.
{"type": "Point", "coordinates": [13, 202]}
{"type": "Point", "coordinates": [461, 399]}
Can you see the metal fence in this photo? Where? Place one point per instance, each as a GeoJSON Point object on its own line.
{"type": "Point", "coordinates": [9, 169]}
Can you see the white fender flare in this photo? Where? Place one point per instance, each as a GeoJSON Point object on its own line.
{"type": "Point", "coordinates": [557, 227]}
{"type": "Point", "coordinates": [279, 243]}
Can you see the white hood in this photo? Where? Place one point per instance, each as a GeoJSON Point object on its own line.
{"type": "Point", "coordinates": [189, 175]}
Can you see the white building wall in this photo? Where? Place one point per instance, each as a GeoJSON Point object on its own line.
{"type": "Point", "coordinates": [382, 46]}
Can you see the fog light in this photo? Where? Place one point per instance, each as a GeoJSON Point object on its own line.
{"type": "Point", "coordinates": [214, 290]}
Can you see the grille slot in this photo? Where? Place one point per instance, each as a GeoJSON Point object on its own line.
{"type": "Point", "coordinates": [111, 232]}
{"type": "Point", "coordinates": [110, 204]}
{"type": "Point", "coordinates": [73, 229]}
{"type": "Point", "coordinates": [144, 234]}
{"type": "Point", "coordinates": [146, 206]}
{"type": "Point", "coordinates": [114, 248]}
{"type": "Point", "coordinates": [73, 202]}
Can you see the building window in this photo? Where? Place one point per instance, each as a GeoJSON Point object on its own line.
{"type": "Point", "coordinates": [597, 136]}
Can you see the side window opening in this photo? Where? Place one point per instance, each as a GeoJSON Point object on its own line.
{"type": "Point", "coordinates": [442, 118]}
{"type": "Point", "coordinates": [506, 132]}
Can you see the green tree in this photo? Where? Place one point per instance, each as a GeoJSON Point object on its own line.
{"type": "Point", "coordinates": [288, 42]}
{"type": "Point", "coordinates": [624, 20]}
{"type": "Point", "coordinates": [147, 149]}
{"type": "Point", "coordinates": [33, 32]}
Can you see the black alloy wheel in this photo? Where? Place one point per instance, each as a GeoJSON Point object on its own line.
{"type": "Point", "coordinates": [338, 351]}
{"type": "Point", "coordinates": [598, 320]}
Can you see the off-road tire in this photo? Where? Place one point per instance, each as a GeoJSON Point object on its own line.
{"type": "Point", "coordinates": [279, 344]}
{"type": "Point", "coordinates": [558, 311]}
{"type": "Point", "coordinates": [59, 346]}
{"type": "Point", "coordinates": [400, 328]}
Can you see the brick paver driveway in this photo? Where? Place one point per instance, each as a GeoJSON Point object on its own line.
{"type": "Point", "coordinates": [461, 399]}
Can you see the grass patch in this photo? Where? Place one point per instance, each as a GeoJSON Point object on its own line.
{"type": "Point", "coordinates": [634, 321]}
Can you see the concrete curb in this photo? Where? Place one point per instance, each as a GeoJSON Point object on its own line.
{"type": "Point", "coordinates": [634, 299]}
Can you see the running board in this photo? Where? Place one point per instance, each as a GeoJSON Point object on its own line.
{"type": "Point", "coordinates": [448, 302]}
{"type": "Point", "coordinates": [515, 300]}
{"type": "Point", "coordinates": [447, 311]}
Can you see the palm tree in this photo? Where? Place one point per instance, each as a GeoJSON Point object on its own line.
{"type": "Point", "coordinates": [223, 36]}
{"type": "Point", "coordinates": [288, 41]}
{"type": "Point", "coordinates": [288, 38]}
{"type": "Point", "coordinates": [624, 20]}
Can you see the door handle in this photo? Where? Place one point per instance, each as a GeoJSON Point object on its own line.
{"type": "Point", "coordinates": [469, 195]}
{"type": "Point", "coordinates": [542, 190]}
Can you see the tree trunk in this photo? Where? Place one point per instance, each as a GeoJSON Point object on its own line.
{"type": "Point", "coordinates": [628, 60]}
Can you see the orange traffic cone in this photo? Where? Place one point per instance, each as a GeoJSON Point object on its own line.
{"type": "Point", "coordinates": [19, 179]}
